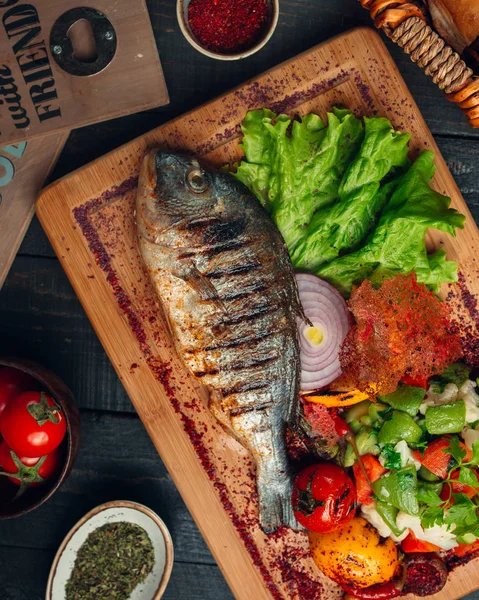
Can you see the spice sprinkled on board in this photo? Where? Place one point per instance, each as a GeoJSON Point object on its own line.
{"type": "Point", "coordinates": [227, 26]}
{"type": "Point", "coordinates": [112, 561]}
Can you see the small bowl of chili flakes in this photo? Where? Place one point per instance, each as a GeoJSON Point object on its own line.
{"type": "Point", "coordinates": [227, 29]}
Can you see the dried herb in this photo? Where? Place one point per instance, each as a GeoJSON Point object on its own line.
{"type": "Point", "coordinates": [112, 561]}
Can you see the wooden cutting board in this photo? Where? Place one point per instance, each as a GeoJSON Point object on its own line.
{"type": "Point", "coordinates": [88, 217]}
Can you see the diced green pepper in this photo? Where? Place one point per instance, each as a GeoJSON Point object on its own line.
{"type": "Point", "coordinates": [355, 425]}
{"type": "Point", "coordinates": [366, 420]}
{"type": "Point", "coordinates": [389, 513]}
{"type": "Point", "coordinates": [367, 442]}
{"type": "Point", "coordinates": [421, 422]}
{"type": "Point", "coordinates": [429, 486]}
{"type": "Point", "coordinates": [407, 398]}
{"type": "Point", "coordinates": [399, 488]}
{"type": "Point", "coordinates": [427, 475]}
{"type": "Point", "coordinates": [446, 418]}
{"type": "Point", "coordinates": [356, 411]}
{"type": "Point", "coordinates": [400, 426]}
{"type": "Point", "coordinates": [349, 456]}
{"type": "Point", "coordinates": [375, 411]}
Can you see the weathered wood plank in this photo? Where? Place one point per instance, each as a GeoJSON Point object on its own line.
{"type": "Point", "coordinates": [117, 461]}
{"type": "Point", "coordinates": [42, 319]}
{"type": "Point", "coordinates": [27, 574]}
{"type": "Point", "coordinates": [462, 157]}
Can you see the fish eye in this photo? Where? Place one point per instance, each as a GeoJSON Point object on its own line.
{"type": "Point", "coordinates": [196, 180]}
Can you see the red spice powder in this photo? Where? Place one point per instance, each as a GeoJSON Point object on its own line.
{"type": "Point", "coordinates": [228, 26]}
{"type": "Point", "coordinates": [401, 328]}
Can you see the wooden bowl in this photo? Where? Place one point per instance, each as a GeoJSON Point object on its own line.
{"type": "Point", "coordinates": [154, 585]}
{"type": "Point", "coordinates": [182, 15]}
{"type": "Point", "coordinates": [52, 385]}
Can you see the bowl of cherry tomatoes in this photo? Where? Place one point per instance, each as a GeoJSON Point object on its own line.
{"type": "Point", "coordinates": [39, 435]}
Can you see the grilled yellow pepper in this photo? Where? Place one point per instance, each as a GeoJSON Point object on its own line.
{"type": "Point", "coordinates": [355, 555]}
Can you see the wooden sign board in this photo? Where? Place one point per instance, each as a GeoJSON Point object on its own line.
{"type": "Point", "coordinates": [89, 219]}
{"type": "Point", "coordinates": [47, 85]}
{"type": "Point", "coordinates": [24, 166]}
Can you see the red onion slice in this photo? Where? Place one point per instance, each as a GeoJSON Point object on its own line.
{"type": "Point", "coordinates": [326, 309]}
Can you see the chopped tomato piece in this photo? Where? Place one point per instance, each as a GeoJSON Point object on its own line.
{"type": "Point", "coordinates": [436, 459]}
{"type": "Point", "coordinates": [341, 427]}
{"type": "Point", "coordinates": [465, 549]}
{"type": "Point", "coordinates": [374, 470]}
{"type": "Point", "coordinates": [412, 544]}
{"type": "Point", "coordinates": [456, 487]}
{"type": "Point", "coordinates": [415, 381]}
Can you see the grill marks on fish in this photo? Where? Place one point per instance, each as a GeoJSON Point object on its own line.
{"type": "Point", "coordinates": [221, 272]}
{"type": "Point", "coordinates": [251, 338]}
{"type": "Point", "coordinates": [240, 341]}
{"type": "Point", "coordinates": [212, 251]}
{"type": "Point", "coordinates": [215, 230]}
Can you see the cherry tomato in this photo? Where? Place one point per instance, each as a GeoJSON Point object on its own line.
{"type": "Point", "coordinates": [33, 424]}
{"type": "Point", "coordinates": [12, 382]}
{"type": "Point", "coordinates": [29, 471]}
{"type": "Point", "coordinates": [324, 498]}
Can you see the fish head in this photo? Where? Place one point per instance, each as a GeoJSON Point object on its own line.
{"type": "Point", "coordinates": [173, 188]}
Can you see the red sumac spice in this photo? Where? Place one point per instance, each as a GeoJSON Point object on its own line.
{"type": "Point", "coordinates": [227, 26]}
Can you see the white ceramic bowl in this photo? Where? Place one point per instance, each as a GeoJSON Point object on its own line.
{"type": "Point", "coordinates": [154, 585]}
{"type": "Point", "coordinates": [182, 14]}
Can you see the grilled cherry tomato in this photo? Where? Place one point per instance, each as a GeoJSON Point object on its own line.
{"type": "Point", "coordinates": [29, 471]}
{"type": "Point", "coordinates": [32, 424]}
{"type": "Point", "coordinates": [324, 498]}
{"type": "Point", "coordinates": [12, 382]}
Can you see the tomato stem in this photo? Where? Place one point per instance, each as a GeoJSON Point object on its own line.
{"type": "Point", "coordinates": [25, 475]}
{"type": "Point", "coordinates": [42, 412]}
{"type": "Point", "coordinates": [350, 438]}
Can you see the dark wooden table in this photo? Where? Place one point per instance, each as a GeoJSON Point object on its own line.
{"type": "Point", "coordinates": [41, 318]}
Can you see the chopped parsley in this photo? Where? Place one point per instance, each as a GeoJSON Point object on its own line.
{"type": "Point", "coordinates": [392, 459]}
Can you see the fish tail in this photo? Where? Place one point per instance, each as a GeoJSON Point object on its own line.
{"type": "Point", "coordinates": [275, 495]}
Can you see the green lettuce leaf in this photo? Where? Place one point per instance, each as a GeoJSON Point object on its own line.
{"type": "Point", "coordinates": [397, 245]}
{"type": "Point", "coordinates": [361, 197]}
{"type": "Point", "coordinates": [295, 169]}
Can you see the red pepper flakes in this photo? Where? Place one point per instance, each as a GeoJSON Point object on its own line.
{"type": "Point", "coordinates": [228, 26]}
{"type": "Point", "coordinates": [401, 328]}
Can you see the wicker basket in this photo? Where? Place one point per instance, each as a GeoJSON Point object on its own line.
{"type": "Point", "coordinates": [406, 23]}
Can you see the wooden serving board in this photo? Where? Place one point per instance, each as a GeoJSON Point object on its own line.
{"type": "Point", "coordinates": [88, 217]}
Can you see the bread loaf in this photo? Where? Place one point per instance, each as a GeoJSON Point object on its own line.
{"type": "Point", "coordinates": [457, 21]}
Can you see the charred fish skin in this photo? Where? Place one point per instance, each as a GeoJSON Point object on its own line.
{"type": "Point", "coordinates": [222, 272]}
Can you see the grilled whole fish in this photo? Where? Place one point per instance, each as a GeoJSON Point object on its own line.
{"type": "Point", "coordinates": [222, 272]}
